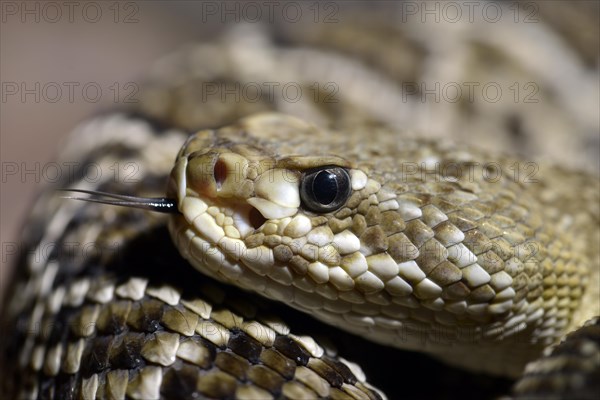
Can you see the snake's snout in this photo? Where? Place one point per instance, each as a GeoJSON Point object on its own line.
{"type": "Point", "coordinates": [231, 180]}
{"type": "Point", "coordinates": [239, 188]}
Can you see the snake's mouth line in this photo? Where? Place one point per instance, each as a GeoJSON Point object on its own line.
{"type": "Point", "coordinates": [230, 217]}
{"type": "Point", "coordinates": [214, 226]}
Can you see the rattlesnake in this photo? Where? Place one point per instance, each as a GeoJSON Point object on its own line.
{"type": "Point", "coordinates": [507, 256]}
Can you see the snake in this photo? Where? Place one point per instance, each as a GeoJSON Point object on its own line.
{"type": "Point", "coordinates": [482, 260]}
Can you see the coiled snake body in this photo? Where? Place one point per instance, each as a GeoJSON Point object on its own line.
{"type": "Point", "coordinates": [478, 259]}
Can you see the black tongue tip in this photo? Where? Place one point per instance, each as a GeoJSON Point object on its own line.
{"type": "Point", "coordinates": [157, 204]}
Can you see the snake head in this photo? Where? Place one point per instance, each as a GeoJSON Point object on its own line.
{"type": "Point", "coordinates": [335, 226]}
{"type": "Point", "coordinates": [260, 211]}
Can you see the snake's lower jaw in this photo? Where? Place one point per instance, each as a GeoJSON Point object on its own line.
{"type": "Point", "coordinates": [258, 270]}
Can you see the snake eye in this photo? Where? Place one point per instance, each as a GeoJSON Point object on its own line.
{"type": "Point", "coordinates": [325, 189]}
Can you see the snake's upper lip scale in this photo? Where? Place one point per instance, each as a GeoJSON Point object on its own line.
{"type": "Point", "coordinates": [246, 219]}
{"type": "Point", "coordinates": [156, 204]}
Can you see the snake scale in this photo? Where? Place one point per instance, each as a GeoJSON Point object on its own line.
{"type": "Point", "coordinates": [347, 204]}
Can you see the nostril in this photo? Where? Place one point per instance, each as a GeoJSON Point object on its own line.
{"type": "Point", "coordinates": [220, 173]}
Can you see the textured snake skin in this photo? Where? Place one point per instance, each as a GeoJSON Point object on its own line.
{"type": "Point", "coordinates": [104, 306]}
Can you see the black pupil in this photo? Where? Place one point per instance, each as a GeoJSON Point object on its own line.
{"type": "Point", "coordinates": [325, 187]}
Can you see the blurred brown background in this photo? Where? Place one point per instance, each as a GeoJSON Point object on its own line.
{"type": "Point", "coordinates": [51, 46]}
